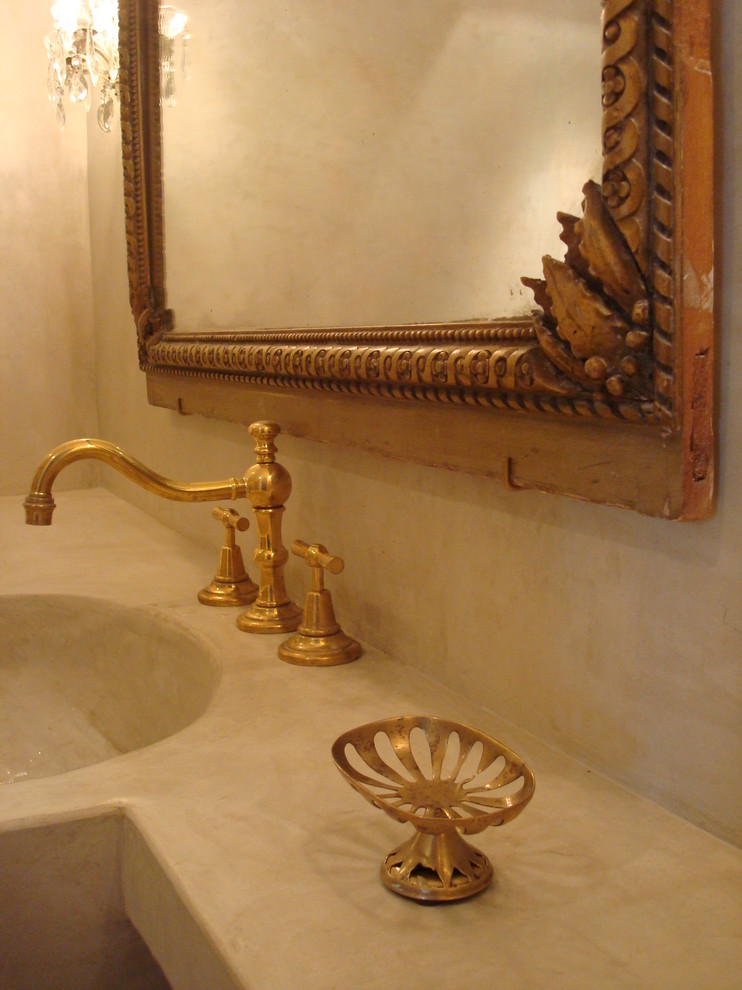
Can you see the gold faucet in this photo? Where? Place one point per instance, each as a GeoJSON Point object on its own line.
{"type": "Point", "coordinates": [268, 487]}
{"type": "Point", "coordinates": [267, 484]}
{"type": "Point", "coordinates": [40, 505]}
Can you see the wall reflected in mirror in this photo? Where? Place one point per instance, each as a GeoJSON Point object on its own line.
{"type": "Point", "coordinates": [361, 163]}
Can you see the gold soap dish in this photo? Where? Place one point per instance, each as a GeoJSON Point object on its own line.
{"type": "Point", "coordinates": [448, 780]}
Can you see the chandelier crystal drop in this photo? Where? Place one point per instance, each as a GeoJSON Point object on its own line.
{"type": "Point", "coordinates": [83, 55]}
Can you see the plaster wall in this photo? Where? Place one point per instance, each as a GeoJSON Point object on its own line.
{"type": "Point", "coordinates": [614, 636]}
{"type": "Point", "coordinates": [47, 346]}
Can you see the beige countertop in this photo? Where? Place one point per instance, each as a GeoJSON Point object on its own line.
{"type": "Point", "coordinates": [243, 819]}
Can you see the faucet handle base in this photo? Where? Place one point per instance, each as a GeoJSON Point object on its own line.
{"type": "Point", "coordinates": [223, 592]}
{"type": "Point", "coordinates": [319, 651]}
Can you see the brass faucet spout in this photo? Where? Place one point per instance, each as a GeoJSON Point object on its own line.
{"type": "Point", "coordinates": [39, 503]}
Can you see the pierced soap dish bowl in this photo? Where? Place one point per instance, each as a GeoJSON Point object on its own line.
{"type": "Point", "coordinates": [448, 780]}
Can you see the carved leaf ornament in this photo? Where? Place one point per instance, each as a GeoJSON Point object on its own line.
{"type": "Point", "coordinates": [594, 327]}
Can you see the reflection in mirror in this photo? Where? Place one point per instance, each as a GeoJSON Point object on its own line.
{"type": "Point", "coordinates": [350, 164]}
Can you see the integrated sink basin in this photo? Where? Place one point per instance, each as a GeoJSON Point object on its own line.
{"type": "Point", "coordinates": [83, 680]}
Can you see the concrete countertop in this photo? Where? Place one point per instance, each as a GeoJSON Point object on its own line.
{"type": "Point", "coordinates": [243, 819]}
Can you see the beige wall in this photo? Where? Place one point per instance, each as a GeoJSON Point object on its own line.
{"type": "Point", "coordinates": [47, 365]}
{"type": "Point", "coordinates": [615, 636]}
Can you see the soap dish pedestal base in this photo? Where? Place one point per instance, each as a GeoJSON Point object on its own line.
{"type": "Point", "coordinates": [434, 868]}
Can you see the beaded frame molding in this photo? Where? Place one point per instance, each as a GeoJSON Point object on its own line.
{"type": "Point", "coordinates": [622, 330]}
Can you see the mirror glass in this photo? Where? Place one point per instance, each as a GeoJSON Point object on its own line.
{"type": "Point", "coordinates": [355, 163]}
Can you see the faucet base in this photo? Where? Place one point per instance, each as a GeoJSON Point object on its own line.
{"type": "Point", "coordinates": [260, 618]}
{"type": "Point", "coordinates": [319, 651]}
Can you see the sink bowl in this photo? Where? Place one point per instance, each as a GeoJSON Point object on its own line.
{"type": "Point", "coordinates": [83, 680]}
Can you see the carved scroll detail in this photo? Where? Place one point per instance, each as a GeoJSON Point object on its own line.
{"type": "Point", "coordinates": [497, 366]}
{"type": "Point", "coordinates": [478, 357]}
{"type": "Point", "coordinates": [625, 121]}
{"type": "Point", "coordinates": [141, 153]}
{"type": "Point", "coordinates": [598, 307]}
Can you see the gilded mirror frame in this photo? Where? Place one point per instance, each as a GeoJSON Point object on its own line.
{"type": "Point", "coordinates": [606, 393]}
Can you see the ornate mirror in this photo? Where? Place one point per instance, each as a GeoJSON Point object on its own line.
{"type": "Point", "coordinates": [545, 316]}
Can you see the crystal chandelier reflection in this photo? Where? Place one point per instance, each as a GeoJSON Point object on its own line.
{"type": "Point", "coordinates": [83, 54]}
{"type": "Point", "coordinates": [173, 34]}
